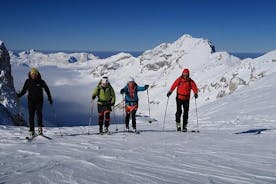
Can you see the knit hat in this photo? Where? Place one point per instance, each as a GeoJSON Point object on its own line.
{"type": "Point", "coordinates": [34, 71]}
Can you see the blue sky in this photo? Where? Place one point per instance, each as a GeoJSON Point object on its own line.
{"type": "Point", "coordinates": [138, 25]}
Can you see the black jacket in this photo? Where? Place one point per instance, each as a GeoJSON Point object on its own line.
{"type": "Point", "coordinates": [35, 90]}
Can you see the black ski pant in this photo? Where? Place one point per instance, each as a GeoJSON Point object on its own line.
{"type": "Point", "coordinates": [35, 108]}
{"type": "Point", "coordinates": [179, 105]}
{"type": "Point", "coordinates": [133, 117]}
{"type": "Point", "coordinates": [104, 115]}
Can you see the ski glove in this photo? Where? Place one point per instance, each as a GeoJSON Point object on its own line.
{"type": "Point", "coordinates": [112, 104]}
{"type": "Point", "coordinates": [122, 91]}
{"type": "Point", "coordinates": [196, 95]}
{"type": "Point", "coordinates": [93, 97]}
{"type": "Point", "coordinates": [169, 93]}
{"type": "Point", "coordinates": [146, 86]}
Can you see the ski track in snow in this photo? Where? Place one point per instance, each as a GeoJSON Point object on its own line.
{"type": "Point", "coordinates": [211, 156]}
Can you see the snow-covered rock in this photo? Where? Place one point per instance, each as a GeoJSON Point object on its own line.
{"type": "Point", "coordinates": [7, 91]}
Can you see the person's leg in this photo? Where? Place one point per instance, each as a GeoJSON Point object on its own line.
{"type": "Point", "coordinates": [31, 109]}
{"type": "Point", "coordinates": [127, 116]}
{"type": "Point", "coordinates": [185, 114]}
{"type": "Point", "coordinates": [107, 120]}
{"type": "Point", "coordinates": [100, 117]}
{"type": "Point", "coordinates": [133, 117]}
{"type": "Point", "coordinates": [178, 114]}
{"type": "Point", "coordinates": [39, 117]}
{"type": "Point", "coordinates": [127, 120]}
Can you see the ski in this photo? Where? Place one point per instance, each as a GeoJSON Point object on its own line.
{"type": "Point", "coordinates": [104, 133]}
{"type": "Point", "coordinates": [132, 131]}
{"type": "Point", "coordinates": [32, 137]}
{"type": "Point", "coordinates": [189, 131]}
{"type": "Point", "coordinates": [42, 135]}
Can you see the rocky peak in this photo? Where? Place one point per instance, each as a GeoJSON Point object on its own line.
{"type": "Point", "coordinates": [7, 90]}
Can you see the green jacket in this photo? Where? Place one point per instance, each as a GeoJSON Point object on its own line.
{"type": "Point", "coordinates": [105, 95]}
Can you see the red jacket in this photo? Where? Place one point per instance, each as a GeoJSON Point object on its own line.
{"type": "Point", "coordinates": [184, 87]}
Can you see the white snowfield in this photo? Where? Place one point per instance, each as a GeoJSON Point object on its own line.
{"type": "Point", "coordinates": [236, 119]}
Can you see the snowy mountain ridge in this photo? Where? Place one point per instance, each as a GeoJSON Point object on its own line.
{"type": "Point", "coordinates": [216, 73]}
{"type": "Point", "coordinates": [36, 59]}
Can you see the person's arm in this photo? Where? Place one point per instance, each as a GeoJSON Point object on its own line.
{"type": "Point", "coordinates": [113, 100]}
{"type": "Point", "coordinates": [47, 90]}
{"type": "Point", "coordinates": [123, 90]}
{"type": "Point", "coordinates": [175, 84]}
{"type": "Point", "coordinates": [142, 88]}
{"type": "Point", "coordinates": [95, 93]}
{"type": "Point", "coordinates": [24, 90]}
{"type": "Point", "coordinates": [194, 88]}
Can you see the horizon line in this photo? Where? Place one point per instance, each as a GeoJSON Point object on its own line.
{"type": "Point", "coordinates": [130, 51]}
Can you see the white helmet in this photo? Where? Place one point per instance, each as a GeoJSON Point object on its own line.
{"type": "Point", "coordinates": [131, 79]}
{"type": "Point", "coordinates": [104, 81]}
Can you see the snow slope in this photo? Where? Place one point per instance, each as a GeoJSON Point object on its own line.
{"type": "Point", "coordinates": [236, 143]}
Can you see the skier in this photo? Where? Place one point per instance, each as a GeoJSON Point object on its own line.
{"type": "Point", "coordinates": [131, 101]}
{"type": "Point", "coordinates": [106, 99]}
{"type": "Point", "coordinates": [184, 86]}
{"type": "Point", "coordinates": [35, 85]}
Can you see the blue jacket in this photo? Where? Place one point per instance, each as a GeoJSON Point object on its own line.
{"type": "Point", "coordinates": [135, 99]}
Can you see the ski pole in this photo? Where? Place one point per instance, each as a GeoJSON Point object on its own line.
{"type": "Point", "coordinates": [115, 119]}
{"type": "Point", "coordinates": [165, 113]}
{"type": "Point", "coordinates": [55, 117]}
{"type": "Point", "coordinates": [123, 106]}
{"type": "Point", "coordinates": [19, 114]}
{"type": "Point", "coordinates": [90, 116]}
{"type": "Point", "coordinates": [196, 116]}
{"type": "Point", "coordinates": [149, 105]}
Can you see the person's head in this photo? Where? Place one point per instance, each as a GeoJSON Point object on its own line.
{"type": "Point", "coordinates": [104, 81]}
{"type": "Point", "coordinates": [131, 79]}
{"type": "Point", "coordinates": [186, 73]}
{"type": "Point", "coordinates": [34, 73]}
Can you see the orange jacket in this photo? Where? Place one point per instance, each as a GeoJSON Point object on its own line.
{"type": "Point", "coordinates": [184, 87]}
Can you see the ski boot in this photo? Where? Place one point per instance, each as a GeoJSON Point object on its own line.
{"type": "Point", "coordinates": [178, 127]}
{"type": "Point", "coordinates": [40, 132]}
{"type": "Point", "coordinates": [184, 128]}
{"type": "Point", "coordinates": [106, 130]}
{"type": "Point", "coordinates": [32, 133]}
{"type": "Point", "coordinates": [101, 129]}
